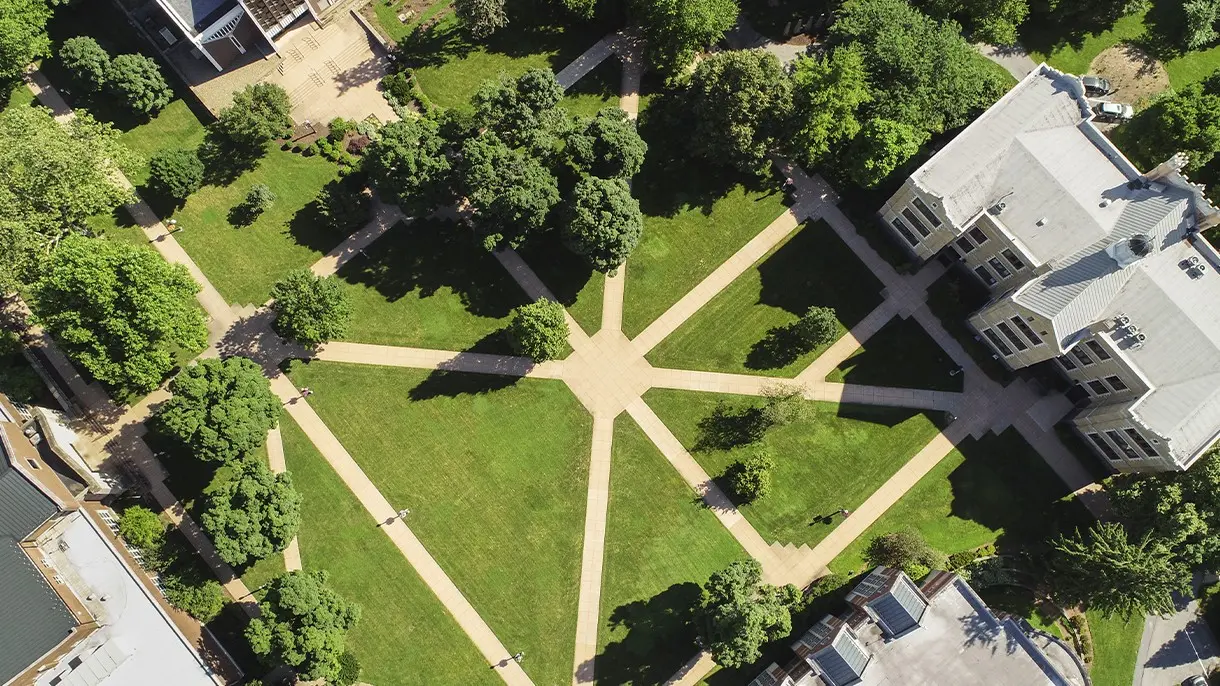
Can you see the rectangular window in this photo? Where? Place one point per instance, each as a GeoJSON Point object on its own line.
{"type": "Point", "coordinates": [1024, 328]}
{"type": "Point", "coordinates": [1012, 258]}
{"type": "Point", "coordinates": [923, 230]}
{"type": "Point", "coordinates": [1116, 383]}
{"type": "Point", "coordinates": [1098, 387]}
{"type": "Point", "coordinates": [926, 211]}
{"type": "Point", "coordinates": [985, 275]}
{"type": "Point", "coordinates": [965, 245]}
{"type": "Point", "coordinates": [1098, 349]}
{"type": "Point", "coordinates": [1012, 336]}
{"type": "Point", "coordinates": [1082, 356]}
{"type": "Point", "coordinates": [1103, 447]}
{"type": "Point", "coordinates": [1066, 362]}
{"type": "Point", "coordinates": [977, 234]}
{"type": "Point", "coordinates": [906, 233]}
{"type": "Point", "coordinates": [999, 344]}
{"type": "Point", "coordinates": [1138, 439]}
{"type": "Point", "coordinates": [999, 267]}
{"type": "Point", "coordinates": [1124, 446]}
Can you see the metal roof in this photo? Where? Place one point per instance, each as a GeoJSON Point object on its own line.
{"type": "Point", "coordinates": [899, 608]}
{"type": "Point", "coordinates": [843, 661]}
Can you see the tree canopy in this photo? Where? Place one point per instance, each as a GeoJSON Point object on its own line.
{"type": "Point", "coordinates": [1180, 509]}
{"type": "Point", "coordinates": [175, 173]}
{"type": "Point", "coordinates": [481, 18]}
{"type": "Point", "coordinates": [906, 550]}
{"type": "Point", "coordinates": [260, 113]}
{"type": "Point", "coordinates": [986, 21]}
{"type": "Point", "coordinates": [252, 515]}
{"type": "Point", "coordinates": [827, 94]}
{"type": "Point", "coordinates": [120, 311]}
{"type": "Point", "coordinates": [605, 222]}
{"type": "Point", "coordinates": [23, 36]}
{"type": "Point", "coordinates": [221, 409]}
{"type": "Point", "coordinates": [86, 60]}
{"type": "Point", "coordinates": [539, 330]}
{"type": "Point", "coordinates": [310, 309]}
{"type": "Point", "coordinates": [142, 528]}
{"type": "Point", "coordinates": [608, 145]}
{"type": "Point", "coordinates": [1108, 572]}
{"type": "Point", "coordinates": [522, 112]}
{"type": "Point", "coordinates": [511, 191]}
{"type": "Point", "coordinates": [677, 29]}
{"type": "Point", "coordinates": [741, 101]}
{"type": "Point", "coordinates": [1186, 120]}
{"type": "Point", "coordinates": [304, 625]}
{"type": "Point", "coordinates": [738, 613]}
{"type": "Point", "coordinates": [136, 80]}
{"type": "Point", "coordinates": [408, 164]}
{"type": "Point", "coordinates": [881, 147]}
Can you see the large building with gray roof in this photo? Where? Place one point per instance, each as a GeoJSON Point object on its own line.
{"type": "Point", "coordinates": [221, 31]}
{"type": "Point", "coordinates": [1092, 264]}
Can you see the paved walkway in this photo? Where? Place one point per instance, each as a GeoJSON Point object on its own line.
{"type": "Point", "coordinates": [587, 62]}
{"type": "Point", "coordinates": [384, 216]}
{"type": "Point", "coordinates": [275, 458]}
{"type": "Point", "coordinates": [1014, 59]}
{"type": "Point", "coordinates": [1176, 646]}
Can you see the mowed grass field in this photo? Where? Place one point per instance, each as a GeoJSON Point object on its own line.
{"type": "Point", "coordinates": [834, 458]}
{"type": "Point", "coordinates": [494, 471]}
{"type": "Point", "coordinates": [732, 333]}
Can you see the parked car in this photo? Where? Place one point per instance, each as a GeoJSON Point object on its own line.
{"type": "Point", "coordinates": [1113, 112]}
{"type": "Point", "coordinates": [1095, 86]}
{"type": "Point", "coordinates": [1195, 681]}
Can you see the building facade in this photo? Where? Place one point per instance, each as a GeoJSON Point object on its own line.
{"type": "Point", "coordinates": [224, 30]}
{"type": "Point", "coordinates": [1090, 263]}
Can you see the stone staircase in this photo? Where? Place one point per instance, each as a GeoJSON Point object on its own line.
{"type": "Point", "coordinates": [797, 563]}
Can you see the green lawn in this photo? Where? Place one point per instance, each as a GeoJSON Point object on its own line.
{"type": "Point", "coordinates": [428, 284]}
{"type": "Point", "coordinates": [405, 635]}
{"type": "Point", "coordinates": [243, 263]}
{"type": "Point", "coordinates": [900, 354]}
{"type": "Point", "coordinates": [1075, 54]}
{"type": "Point", "coordinates": [661, 545]}
{"type": "Point", "coordinates": [740, 329]}
{"type": "Point", "coordinates": [996, 489]}
{"type": "Point", "coordinates": [695, 217]}
{"type": "Point", "coordinates": [450, 68]}
{"type": "Point", "coordinates": [20, 96]}
{"type": "Point", "coordinates": [569, 277]}
{"type": "Point", "coordinates": [833, 459]}
{"type": "Point", "coordinates": [386, 14]}
{"type": "Point", "coordinates": [953, 298]}
{"type": "Point", "coordinates": [596, 90]}
{"type": "Point", "coordinates": [176, 126]}
{"type": "Point", "coordinates": [494, 471]}
{"type": "Point", "coordinates": [1116, 646]}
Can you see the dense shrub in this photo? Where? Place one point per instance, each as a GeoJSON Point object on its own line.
{"type": "Point", "coordinates": [175, 173]}
{"type": "Point", "coordinates": [18, 380]}
{"type": "Point", "coordinates": [538, 330]}
{"type": "Point", "coordinates": [86, 60]}
{"type": "Point", "coordinates": [142, 528]}
{"type": "Point", "coordinates": [339, 127]}
{"type": "Point", "coordinates": [817, 326]}
{"type": "Point", "coordinates": [349, 669]}
{"type": "Point", "coordinates": [137, 80]}
{"type": "Point", "coordinates": [750, 478]}
{"type": "Point", "coordinates": [199, 596]}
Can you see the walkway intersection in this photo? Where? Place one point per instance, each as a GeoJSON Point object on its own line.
{"type": "Point", "coordinates": [609, 374]}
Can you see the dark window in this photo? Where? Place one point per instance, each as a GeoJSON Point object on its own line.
{"type": "Point", "coordinates": [1142, 442]}
{"type": "Point", "coordinates": [1067, 362]}
{"type": "Point", "coordinates": [965, 245]}
{"type": "Point", "coordinates": [1103, 446]}
{"type": "Point", "coordinates": [1098, 387]}
{"type": "Point", "coordinates": [999, 267]}
{"type": "Point", "coordinates": [74, 663]}
{"type": "Point", "coordinates": [1013, 259]}
{"type": "Point", "coordinates": [1123, 445]}
{"type": "Point", "coordinates": [33, 464]}
{"type": "Point", "coordinates": [1082, 356]}
{"type": "Point", "coordinates": [1012, 336]}
{"type": "Point", "coordinates": [985, 275]}
{"type": "Point", "coordinates": [906, 233]}
{"type": "Point", "coordinates": [977, 234]}
{"type": "Point", "coordinates": [57, 680]}
{"type": "Point", "coordinates": [923, 230]}
{"type": "Point", "coordinates": [1098, 349]}
{"type": "Point", "coordinates": [1024, 328]}
{"type": "Point", "coordinates": [1116, 383]}
{"type": "Point", "coordinates": [999, 344]}
{"type": "Point", "coordinates": [927, 212]}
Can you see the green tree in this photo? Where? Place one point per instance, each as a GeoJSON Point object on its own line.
{"type": "Point", "coordinates": [1107, 572]}
{"type": "Point", "coordinates": [53, 177]}
{"type": "Point", "coordinates": [677, 29]}
{"type": "Point", "coordinates": [511, 191]}
{"type": "Point", "coordinates": [220, 409]}
{"type": "Point", "coordinates": [142, 528]}
{"type": "Point", "coordinates": [924, 74]}
{"type": "Point", "coordinates": [260, 113]}
{"type": "Point", "coordinates": [86, 60]}
{"type": "Point", "coordinates": [750, 478]}
{"type": "Point", "coordinates": [538, 330]}
{"type": "Point", "coordinates": [1180, 509]}
{"type": "Point", "coordinates": [18, 380]}
{"type": "Point", "coordinates": [259, 198]}
{"type": "Point", "coordinates": [252, 515]}
{"type": "Point", "coordinates": [304, 625]}
{"type": "Point", "coordinates": [136, 79]}
{"type": "Point", "coordinates": [523, 112]}
{"type": "Point", "coordinates": [175, 173]}
{"type": "Point", "coordinates": [1199, 23]}
{"type": "Point", "coordinates": [1187, 120]}
{"type": "Point", "coordinates": [481, 18]}
{"type": "Point", "coordinates": [738, 613]}
{"type": "Point", "coordinates": [881, 147]}
{"type": "Point", "coordinates": [609, 146]}
{"type": "Point", "coordinates": [309, 309]}
{"type": "Point", "coordinates": [906, 550]}
{"type": "Point", "coordinates": [23, 36]}
{"type": "Point", "coordinates": [605, 223]}
{"type": "Point", "coordinates": [409, 166]}
{"type": "Point", "coordinates": [818, 326]}
{"type": "Point", "coordinates": [828, 93]}
{"type": "Point", "coordinates": [344, 203]}
{"type": "Point", "coordinates": [119, 310]}
{"type": "Point", "coordinates": [986, 21]}
{"type": "Point", "coordinates": [784, 404]}
{"type": "Point", "coordinates": [742, 101]}
{"type": "Point", "coordinates": [198, 596]}
{"type": "Point", "coordinates": [349, 669]}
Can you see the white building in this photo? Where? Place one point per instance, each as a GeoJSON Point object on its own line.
{"type": "Point", "coordinates": [1090, 263]}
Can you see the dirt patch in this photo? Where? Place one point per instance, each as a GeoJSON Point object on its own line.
{"type": "Point", "coordinates": [1134, 75]}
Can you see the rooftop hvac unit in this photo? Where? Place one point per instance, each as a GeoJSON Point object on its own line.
{"type": "Point", "coordinates": [1141, 337]}
{"type": "Point", "coordinates": [1131, 330]}
{"type": "Point", "coordinates": [1122, 320]}
{"type": "Point", "coordinates": [1194, 259]}
{"type": "Point", "coordinates": [1136, 346]}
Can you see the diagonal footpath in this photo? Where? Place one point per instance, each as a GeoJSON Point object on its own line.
{"type": "Point", "coordinates": [384, 217]}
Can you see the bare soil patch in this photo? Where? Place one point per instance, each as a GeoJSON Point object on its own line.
{"type": "Point", "coordinates": [1135, 76]}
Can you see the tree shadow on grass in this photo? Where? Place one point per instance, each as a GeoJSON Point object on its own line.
{"type": "Point", "coordinates": [660, 638]}
{"type": "Point", "coordinates": [729, 427]}
{"type": "Point", "coordinates": [450, 384]}
{"type": "Point", "coordinates": [428, 255]}
{"type": "Point", "coordinates": [815, 267]}
{"type": "Point", "coordinates": [224, 161]}
{"type": "Point", "coordinates": [779, 348]}
{"type": "Point", "coordinates": [564, 272]}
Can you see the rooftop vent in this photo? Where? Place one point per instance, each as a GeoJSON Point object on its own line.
{"type": "Point", "coordinates": [1042, 221]}
{"type": "Point", "coordinates": [1105, 202]}
{"type": "Point", "coordinates": [1122, 320]}
{"type": "Point", "coordinates": [1128, 252]}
